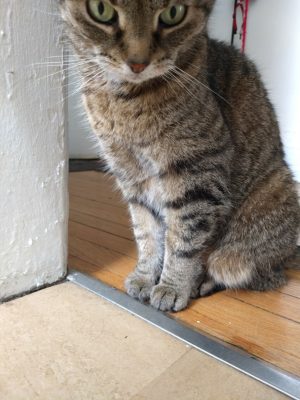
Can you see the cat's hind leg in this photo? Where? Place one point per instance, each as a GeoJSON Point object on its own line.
{"type": "Point", "coordinates": [209, 287]}
{"type": "Point", "coordinates": [205, 286]}
{"type": "Point", "coordinates": [260, 237]}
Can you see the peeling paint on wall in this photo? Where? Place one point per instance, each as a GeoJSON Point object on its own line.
{"type": "Point", "coordinates": [9, 76]}
{"type": "Point", "coordinates": [33, 179]}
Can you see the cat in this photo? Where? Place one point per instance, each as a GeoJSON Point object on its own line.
{"type": "Point", "coordinates": [186, 127]}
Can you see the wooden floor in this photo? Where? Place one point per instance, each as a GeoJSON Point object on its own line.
{"type": "Point", "coordinates": [101, 244]}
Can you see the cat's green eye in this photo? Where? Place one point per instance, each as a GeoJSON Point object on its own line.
{"type": "Point", "coordinates": [101, 11]}
{"type": "Point", "coordinates": [173, 15]}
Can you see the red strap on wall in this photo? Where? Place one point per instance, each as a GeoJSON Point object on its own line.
{"type": "Point", "coordinates": [243, 6]}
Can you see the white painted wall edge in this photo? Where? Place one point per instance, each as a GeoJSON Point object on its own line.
{"type": "Point", "coordinates": [33, 154]}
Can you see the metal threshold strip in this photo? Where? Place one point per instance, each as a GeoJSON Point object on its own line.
{"type": "Point", "coordinates": [230, 355]}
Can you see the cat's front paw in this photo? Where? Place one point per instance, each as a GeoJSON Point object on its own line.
{"type": "Point", "coordinates": [139, 286]}
{"type": "Point", "coordinates": [168, 298]}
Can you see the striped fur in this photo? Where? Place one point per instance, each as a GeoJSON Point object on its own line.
{"type": "Point", "coordinates": [197, 154]}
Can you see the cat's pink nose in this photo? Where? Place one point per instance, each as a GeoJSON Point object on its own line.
{"type": "Point", "coordinates": [137, 68]}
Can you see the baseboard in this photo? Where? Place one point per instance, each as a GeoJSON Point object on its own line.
{"type": "Point", "coordinates": [80, 165]}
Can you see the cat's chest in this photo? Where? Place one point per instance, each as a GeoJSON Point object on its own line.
{"type": "Point", "coordinates": [147, 162]}
{"type": "Point", "coordinates": [130, 122]}
{"type": "Point", "coordinates": [138, 165]}
{"type": "Point", "coordinates": [138, 173]}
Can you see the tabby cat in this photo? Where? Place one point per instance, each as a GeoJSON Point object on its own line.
{"type": "Point", "coordinates": [186, 127]}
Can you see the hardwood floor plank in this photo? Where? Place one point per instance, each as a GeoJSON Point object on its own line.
{"type": "Point", "coordinates": [107, 212]}
{"type": "Point", "coordinates": [276, 303]}
{"type": "Point", "coordinates": [103, 275]}
{"type": "Point", "coordinates": [101, 193]}
{"type": "Point", "coordinates": [293, 285]}
{"type": "Point", "coordinates": [96, 177]}
{"type": "Point", "coordinates": [101, 225]}
{"type": "Point", "coordinates": [103, 239]}
{"type": "Point", "coordinates": [102, 257]}
{"type": "Point", "coordinates": [101, 197]}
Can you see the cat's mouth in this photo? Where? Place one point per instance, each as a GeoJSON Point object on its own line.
{"type": "Point", "coordinates": [141, 74]}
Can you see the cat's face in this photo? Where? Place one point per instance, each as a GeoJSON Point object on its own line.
{"type": "Point", "coordinates": [134, 40]}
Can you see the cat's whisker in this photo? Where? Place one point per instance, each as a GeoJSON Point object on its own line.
{"type": "Point", "coordinates": [181, 84]}
{"type": "Point", "coordinates": [65, 62]}
{"type": "Point", "coordinates": [186, 79]}
{"type": "Point", "coordinates": [189, 78]}
{"type": "Point", "coordinates": [61, 71]}
{"type": "Point", "coordinates": [72, 83]}
{"type": "Point", "coordinates": [46, 12]}
{"type": "Point", "coordinates": [165, 79]}
{"type": "Point", "coordinates": [49, 64]}
{"type": "Point", "coordinates": [179, 76]}
{"type": "Point", "coordinates": [192, 78]}
{"type": "Point", "coordinates": [74, 68]}
{"type": "Point", "coordinates": [91, 77]}
{"type": "Point", "coordinates": [69, 56]}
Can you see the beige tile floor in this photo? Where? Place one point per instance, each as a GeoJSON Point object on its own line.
{"type": "Point", "coordinates": [64, 343]}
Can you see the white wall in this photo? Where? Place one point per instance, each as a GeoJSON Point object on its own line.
{"type": "Point", "coordinates": [33, 192]}
{"type": "Point", "coordinates": [83, 143]}
{"type": "Point", "coordinates": [273, 42]}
